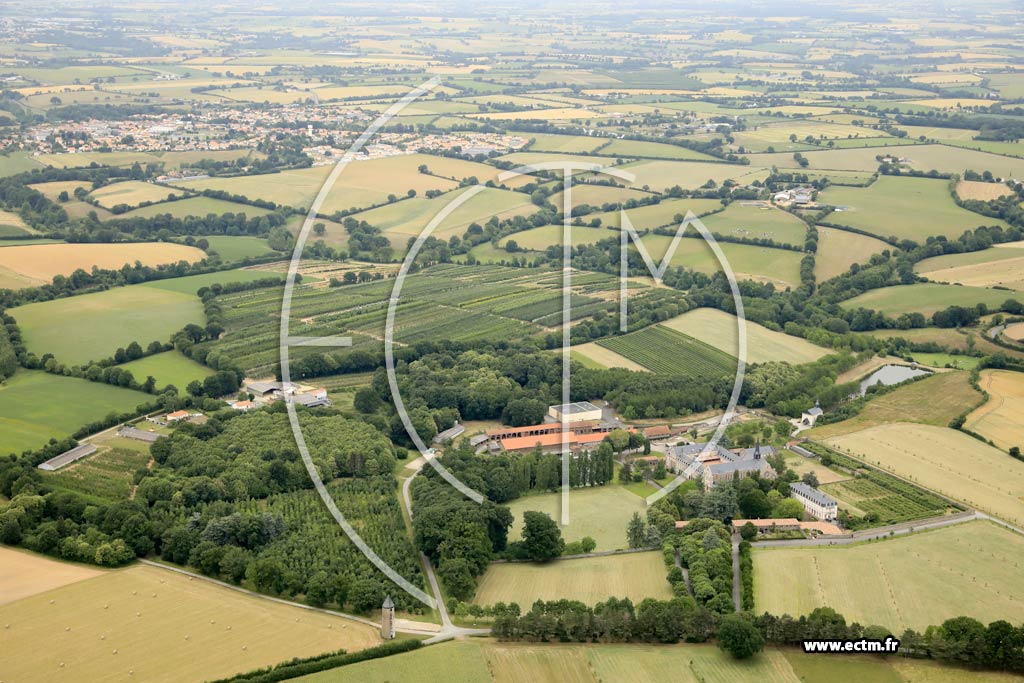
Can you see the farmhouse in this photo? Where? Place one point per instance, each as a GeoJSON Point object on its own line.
{"type": "Point", "coordinates": [244, 406]}
{"type": "Point", "coordinates": [176, 416]}
{"type": "Point", "coordinates": [811, 416]}
{"type": "Point", "coordinates": [714, 465]}
{"type": "Point", "coordinates": [820, 505]}
{"type": "Point", "coordinates": [67, 457]}
{"type": "Point", "coordinates": [581, 411]}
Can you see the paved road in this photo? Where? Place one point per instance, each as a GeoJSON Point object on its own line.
{"type": "Point", "coordinates": [881, 532]}
{"type": "Point", "coordinates": [736, 600]}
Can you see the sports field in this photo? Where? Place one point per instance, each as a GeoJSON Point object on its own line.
{"type": "Point", "coordinates": [78, 329]}
{"type": "Point", "coordinates": [926, 298]}
{"type": "Point", "coordinates": [38, 263]}
{"type": "Point", "coordinates": [933, 400]}
{"type": "Point", "coordinates": [151, 624]}
{"type": "Point", "coordinates": [169, 367]}
{"type": "Point", "coordinates": [969, 569]}
{"type": "Point", "coordinates": [946, 461]}
{"type": "Point", "coordinates": [632, 575]}
{"type": "Point", "coordinates": [719, 329]}
{"type": "Point", "coordinates": [1001, 419]}
{"type": "Point", "coordinates": [840, 249]}
{"type": "Point", "coordinates": [477, 660]}
{"type": "Point", "coordinates": [36, 406]}
{"type": "Point", "coordinates": [906, 208]}
{"type": "Point", "coordinates": [601, 512]}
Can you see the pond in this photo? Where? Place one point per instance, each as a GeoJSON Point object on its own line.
{"type": "Point", "coordinates": [888, 375]}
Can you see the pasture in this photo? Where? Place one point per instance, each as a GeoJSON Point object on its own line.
{"type": "Point", "coordinates": [902, 207]}
{"type": "Point", "coordinates": [1000, 418]}
{"type": "Point", "coordinates": [934, 400]}
{"type": "Point", "coordinates": [598, 195]}
{"type": "Point", "coordinates": [750, 220]}
{"type": "Point", "coordinates": [946, 461]}
{"type": "Point", "coordinates": [780, 267]}
{"type": "Point", "coordinates": [654, 150]}
{"type": "Point", "coordinates": [969, 569]}
{"type": "Point", "coordinates": [11, 225]}
{"type": "Point", "coordinates": [37, 264]}
{"type": "Point", "coordinates": [237, 248]}
{"type": "Point", "coordinates": [840, 249]}
{"type": "Point", "coordinates": [631, 575]}
{"type": "Point", "coordinates": [926, 298]}
{"type": "Point", "coordinates": [664, 213]}
{"type": "Point", "coordinates": [28, 574]}
{"type": "Point", "coordinates": [132, 193]}
{"type": "Point", "coordinates": [476, 660]}
{"type": "Point", "coordinates": [719, 329]}
{"type": "Point", "coordinates": [169, 367]}
{"type": "Point", "coordinates": [147, 623]}
{"type": "Point", "coordinates": [36, 406]}
{"type": "Point", "coordinates": [665, 351]}
{"type": "Point", "coordinates": [600, 512]}
{"type": "Point", "coordinates": [660, 175]}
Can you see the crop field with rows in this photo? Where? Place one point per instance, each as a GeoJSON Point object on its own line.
{"type": "Point", "coordinates": [669, 352]}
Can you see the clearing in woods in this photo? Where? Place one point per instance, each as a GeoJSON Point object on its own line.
{"type": "Point", "coordinates": [600, 512]}
{"type": "Point", "coordinates": [719, 329]}
{"type": "Point", "coordinates": [150, 624]}
{"type": "Point", "coordinates": [905, 582]}
{"type": "Point", "coordinates": [169, 367]}
{"type": "Point", "coordinates": [1001, 419]}
{"type": "Point", "coordinates": [38, 263]}
{"type": "Point", "coordinates": [590, 580]}
{"type": "Point", "coordinates": [946, 461]}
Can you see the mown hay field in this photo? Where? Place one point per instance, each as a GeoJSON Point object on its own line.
{"type": "Point", "coordinates": [926, 298]}
{"type": "Point", "coordinates": [1001, 419]}
{"type": "Point", "coordinates": [946, 461]}
{"type": "Point", "coordinates": [147, 623]}
{"type": "Point", "coordinates": [169, 367]}
{"type": "Point", "coordinates": [720, 329]}
{"type": "Point", "coordinates": [840, 249]}
{"type": "Point", "coordinates": [981, 191]}
{"type": "Point", "coordinates": [969, 569]}
{"type": "Point", "coordinates": [132, 193]}
{"type": "Point", "coordinates": [632, 575]}
{"type": "Point", "coordinates": [28, 574]}
{"type": "Point", "coordinates": [987, 268]}
{"type": "Point", "coordinates": [38, 263]}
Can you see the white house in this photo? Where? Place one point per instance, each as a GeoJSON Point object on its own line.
{"type": "Point", "coordinates": [811, 416]}
{"type": "Point", "coordinates": [818, 504]}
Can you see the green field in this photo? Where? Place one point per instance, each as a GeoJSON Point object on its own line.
{"type": "Point", "coordinates": [600, 512]}
{"type": "Point", "coordinates": [942, 360]}
{"type": "Point", "coordinates": [780, 267]}
{"type": "Point", "coordinates": [92, 326]}
{"type": "Point", "coordinates": [589, 580]}
{"type": "Point", "coordinates": [926, 298]}
{"type": "Point", "coordinates": [662, 350]}
{"type": "Point", "coordinates": [965, 569]}
{"type": "Point", "coordinates": [840, 249]}
{"type": "Point", "coordinates": [36, 406]}
{"type": "Point", "coordinates": [719, 329]}
{"type": "Point", "coordinates": [238, 248]}
{"type": "Point", "coordinates": [659, 175]}
{"type": "Point", "coordinates": [902, 207]}
{"type": "Point", "coordinates": [748, 220]}
{"type": "Point", "coordinates": [17, 162]}
{"type": "Point", "coordinates": [108, 474]}
{"type": "Point", "coordinates": [169, 367]}
{"type": "Point", "coordinates": [485, 661]}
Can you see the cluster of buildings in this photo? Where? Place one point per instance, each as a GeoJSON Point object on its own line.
{"type": "Point", "coordinates": [713, 465]}
{"type": "Point", "coordinates": [265, 393]}
{"type": "Point", "coordinates": [571, 427]}
{"type": "Point", "coordinates": [796, 196]}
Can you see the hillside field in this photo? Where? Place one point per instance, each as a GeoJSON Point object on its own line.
{"type": "Point", "coordinates": [36, 406]}
{"type": "Point", "coordinates": [840, 249]}
{"type": "Point", "coordinates": [169, 367]}
{"type": "Point", "coordinates": [905, 582]}
{"type": "Point", "coordinates": [719, 329]}
{"type": "Point", "coordinates": [633, 575]}
{"type": "Point", "coordinates": [146, 623]}
{"type": "Point", "coordinates": [665, 351]}
{"type": "Point", "coordinates": [38, 263]}
{"type": "Point", "coordinates": [946, 461]}
{"type": "Point", "coordinates": [1001, 419]}
{"type": "Point", "coordinates": [926, 298]}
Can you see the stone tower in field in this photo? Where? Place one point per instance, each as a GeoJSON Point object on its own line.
{"type": "Point", "coordinates": [387, 619]}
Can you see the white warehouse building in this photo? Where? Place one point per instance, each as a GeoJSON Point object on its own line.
{"type": "Point", "coordinates": [581, 411]}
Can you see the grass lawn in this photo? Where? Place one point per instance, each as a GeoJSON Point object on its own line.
{"type": "Point", "coordinates": [36, 406]}
{"type": "Point", "coordinates": [78, 329]}
{"type": "Point", "coordinates": [923, 578]}
{"type": "Point", "coordinates": [926, 298]}
{"type": "Point", "coordinates": [944, 460]}
{"type": "Point", "coordinates": [1000, 419]}
{"type": "Point", "coordinates": [170, 367]}
{"type": "Point", "coordinates": [907, 208]}
{"type": "Point", "coordinates": [477, 659]}
{"type": "Point", "coordinates": [933, 401]}
{"type": "Point", "coordinates": [840, 249]}
{"type": "Point", "coordinates": [601, 512]}
{"type": "Point", "coordinates": [162, 626]}
{"type": "Point", "coordinates": [719, 329]}
{"type": "Point", "coordinates": [238, 248]}
{"type": "Point", "coordinates": [589, 580]}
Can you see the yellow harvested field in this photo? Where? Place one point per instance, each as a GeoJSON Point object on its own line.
{"type": "Point", "coordinates": [975, 189]}
{"type": "Point", "coordinates": [606, 358]}
{"type": "Point", "coordinates": [1008, 272]}
{"type": "Point", "coordinates": [634, 575]}
{"type": "Point", "coordinates": [133, 193]}
{"type": "Point", "coordinates": [719, 329]}
{"type": "Point", "coordinates": [802, 466]}
{"type": "Point", "coordinates": [149, 624]}
{"type": "Point", "coordinates": [1015, 332]}
{"type": "Point", "coordinates": [1001, 419]}
{"type": "Point", "coordinates": [40, 262]}
{"type": "Point", "coordinates": [944, 460]}
{"type": "Point", "coordinates": [26, 574]}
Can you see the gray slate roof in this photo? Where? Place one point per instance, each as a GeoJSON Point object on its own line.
{"type": "Point", "coordinates": [812, 494]}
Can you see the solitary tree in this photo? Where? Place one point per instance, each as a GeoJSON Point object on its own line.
{"type": "Point", "coordinates": [636, 532]}
{"type": "Point", "coordinates": [739, 637]}
{"type": "Point", "coordinates": [542, 539]}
